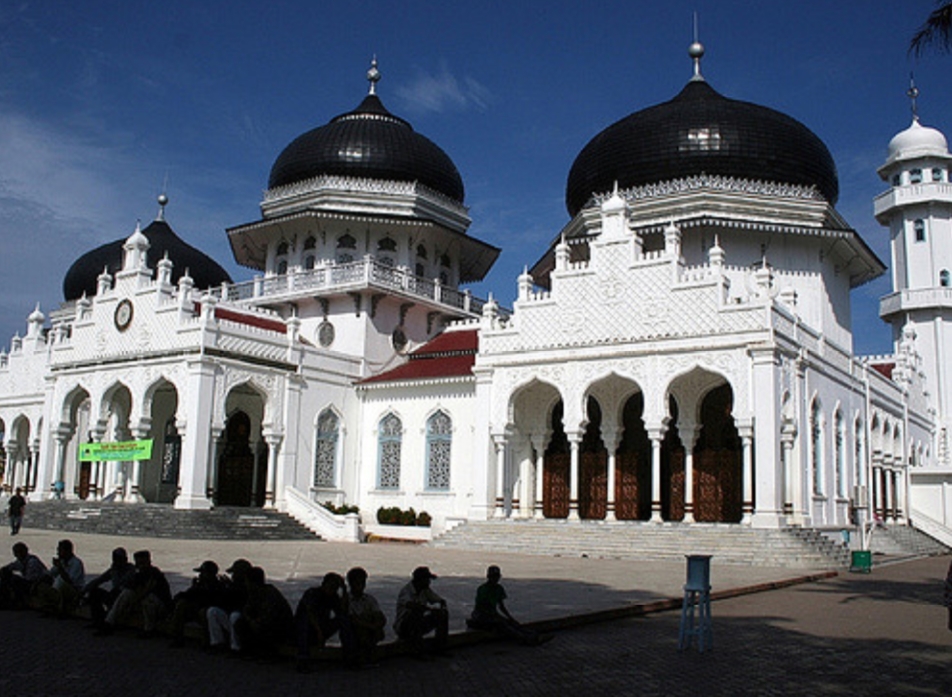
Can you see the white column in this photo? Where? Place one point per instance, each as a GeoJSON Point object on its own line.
{"type": "Point", "coordinates": [141, 432]}
{"type": "Point", "coordinates": [198, 403]}
{"type": "Point", "coordinates": [688, 433]}
{"type": "Point", "coordinates": [656, 434]}
{"type": "Point", "coordinates": [499, 442]}
{"type": "Point", "coordinates": [746, 432]}
{"type": "Point", "coordinates": [610, 438]}
{"type": "Point", "coordinates": [575, 440]}
{"type": "Point", "coordinates": [538, 443]}
{"type": "Point", "coordinates": [274, 440]}
{"type": "Point", "coordinates": [787, 434]}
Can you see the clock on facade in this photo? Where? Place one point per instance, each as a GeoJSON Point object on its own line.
{"type": "Point", "coordinates": [123, 316]}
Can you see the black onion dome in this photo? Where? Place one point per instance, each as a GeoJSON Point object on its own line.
{"type": "Point", "coordinates": [701, 132]}
{"type": "Point", "coordinates": [83, 274]}
{"type": "Point", "coordinates": [368, 142]}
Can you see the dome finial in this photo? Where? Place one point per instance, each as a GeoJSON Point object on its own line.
{"type": "Point", "coordinates": [913, 94]}
{"type": "Point", "coordinates": [373, 75]}
{"type": "Point", "coordinates": [163, 201]}
{"type": "Point", "coordinates": [696, 51]}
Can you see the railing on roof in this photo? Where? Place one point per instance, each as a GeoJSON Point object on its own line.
{"type": "Point", "coordinates": [351, 276]}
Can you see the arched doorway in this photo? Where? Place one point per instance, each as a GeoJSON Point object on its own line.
{"type": "Point", "coordinates": [557, 461]}
{"type": "Point", "coordinates": [241, 467]}
{"type": "Point", "coordinates": [593, 467]}
{"type": "Point", "coordinates": [718, 484]}
{"type": "Point", "coordinates": [633, 464]}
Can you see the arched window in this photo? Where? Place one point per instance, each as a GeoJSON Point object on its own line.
{"type": "Point", "coordinates": [915, 176]}
{"type": "Point", "coordinates": [310, 243]}
{"type": "Point", "coordinates": [421, 251]}
{"type": "Point", "coordinates": [346, 242]}
{"type": "Point", "coordinates": [282, 267]}
{"type": "Point", "coordinates": [896, 180]}
{"type": "Point", "coordinates": [282, 249]}
{"type": "Point", "coordinates": [937, 174]}
{"type": "Point", "coordinates": [816, 446]}
{"type": "Point", "coordinates": [281, 258]}
{"type": "Point", "coordinates": [309, 261]}
{"type": "Point", "coordinates": [839, 453]}
{"type": "Point", "coordinates": [439, 438]}
{"type": "Point", "coordinates": [944, 279]}
{"type": "Point", "coordinates": [325, 456]}
{"type": "Point", "coordinates": [389, 442]}
{"type": "Point", "coordinates": [919, 227]}
{"type": "Point", "coordinates": [387, 244]}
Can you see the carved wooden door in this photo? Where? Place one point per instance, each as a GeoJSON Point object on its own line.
{"type": "Point", "coordinates": [593, 485]}
{"type": "Point", "coordinates": [717, 486]}
{"type": "Point", "coordinates": [555, 473]}
{"type": "Point", "coordinates": [627, 492]}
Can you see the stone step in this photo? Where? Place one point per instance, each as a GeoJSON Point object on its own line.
{"type": "Point", "coordinates": [161, 520]}
{"type": "Point", "coordinates": [638, 540]}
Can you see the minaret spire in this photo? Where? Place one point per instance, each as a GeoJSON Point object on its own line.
{"type": "Point", "coordinates": [373, 75]}
{"type": "Point", "coordinates": [913, 94]}
{"type": "Point", "coordinates": [696, 51]}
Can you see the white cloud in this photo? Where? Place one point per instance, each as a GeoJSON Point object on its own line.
{"type": "Point", "coordinates": [443, 92]}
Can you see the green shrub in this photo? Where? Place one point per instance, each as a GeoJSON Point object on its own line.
{"type": "Point", "coordinates": [397, 516]}
{"type": "Point", "coordinates": [340, 510]}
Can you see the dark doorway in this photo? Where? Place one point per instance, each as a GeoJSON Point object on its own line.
{"type": "Point", "coordinates": [241, 475]}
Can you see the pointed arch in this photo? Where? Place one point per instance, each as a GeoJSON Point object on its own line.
{"type": "Point", "coordinates": [327, 449]}
{"type": "Point", "coordinates": [389, 451]}
{"type": "Point", "coordinates": [439, 441]}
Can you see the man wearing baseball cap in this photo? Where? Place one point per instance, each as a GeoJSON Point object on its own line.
{"type": "Point", "coordinates": [421, 611]}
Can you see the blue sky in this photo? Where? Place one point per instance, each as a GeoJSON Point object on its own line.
{"type": "Point", "coordinates": [101, 103]}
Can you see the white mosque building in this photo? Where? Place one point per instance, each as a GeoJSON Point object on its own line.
{"type": "Point", "coordinates": [682, 351]}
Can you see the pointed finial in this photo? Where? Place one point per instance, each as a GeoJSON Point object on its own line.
{"type": "Point", "coordinates": [163, 201]}
{"type": "Point", "coordinates": [373, 76]}
{"type": "Point", "coordinates": [696, 51]}
{"type": "Point", "coordinates": [913, 94]}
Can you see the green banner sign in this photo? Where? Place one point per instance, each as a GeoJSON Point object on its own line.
{"type": "Point", "coordinates": [112, 452]}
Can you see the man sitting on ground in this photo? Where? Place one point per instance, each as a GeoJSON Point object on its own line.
{"type": "Point", "coordinates": [320, 614]}
{"type": "Point", "coordinates": [266, 620]}
{"type": "Point", "coordinates": [366, 618]}
{"type": "Point", "coordinates": [61, 590]}
{"type": "Point", "coordinates": [18, 578]}
{"type": "Point", "coordinates": [191, 605]}
{"type": "Point", "coordinates": [101, 599]}
{"type": "Point", "coordinates": [146, 591]}
{"type": "Point", "coordinates": [492, 614]}
{"type": "Point", "coordinates": [421, 611]}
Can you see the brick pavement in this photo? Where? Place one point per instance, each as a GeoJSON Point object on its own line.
{"type": "Point", "coordinates": [883, 633]}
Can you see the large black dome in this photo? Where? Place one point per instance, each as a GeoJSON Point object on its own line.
{"type": "Point", "coordinates": [701, 132]}
{"type": "Point", "coordinates": [368, 142]}
{"type": "Point", "coordinates": [83, 275]}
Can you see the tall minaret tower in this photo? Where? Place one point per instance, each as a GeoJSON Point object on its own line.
{"type": "Point", "coordinates": [917, 209]}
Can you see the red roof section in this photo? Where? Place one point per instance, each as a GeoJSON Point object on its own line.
{"type": "Point", "coordinates": [885, 369]}
{"type": "Point", "coordinates": [451, 354]}
{"type": "Point", "coordinates": [258, 321]}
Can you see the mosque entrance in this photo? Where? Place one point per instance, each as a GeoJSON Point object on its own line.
{"type": "Point", "coordinates": [593, 467]}
{"type": "Point", "coordinates": [241, 467]}
{"type": "Point", "coordinates": [718, 461]}
{"type": "Point", "coordinates": [555, 470]}
{"type": "Point", "coordinates": [633, 464]}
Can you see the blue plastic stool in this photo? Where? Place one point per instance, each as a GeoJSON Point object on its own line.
{"type": "Point", "coordinates": [696, 607]}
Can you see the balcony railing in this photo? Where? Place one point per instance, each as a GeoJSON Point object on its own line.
{"type": "Point", "coordinates": [368, 273]}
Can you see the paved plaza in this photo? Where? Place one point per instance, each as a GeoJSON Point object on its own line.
{"type": "Point", "coordinates": [884, 633]}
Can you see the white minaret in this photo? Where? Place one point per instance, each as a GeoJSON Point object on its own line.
{"type": "Point", "coordinates": [917, 209]}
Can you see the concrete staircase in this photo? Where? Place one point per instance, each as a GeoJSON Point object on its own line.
{"type": "Point", "coordinates": [161, 520]}
{"type": "Point", "coordinates": [904, 541]}
{"type": "Point", "coordinates": [729, 544]}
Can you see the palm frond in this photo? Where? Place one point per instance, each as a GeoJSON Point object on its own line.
{"type": "Point", "coordinates": [937, 31]}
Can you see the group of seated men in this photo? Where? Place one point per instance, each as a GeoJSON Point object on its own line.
{"type": "Point", "coordinates": [240, 612]}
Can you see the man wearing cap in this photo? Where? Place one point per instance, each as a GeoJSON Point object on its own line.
{"type": "Point", "coordinates": [191, 605]}
{"type": "Point", "coordinates": [421, 611]}
{"type": "Point", "coordinates": [100, 599]}
{"type": "Point", "coordinates": [221, 615]}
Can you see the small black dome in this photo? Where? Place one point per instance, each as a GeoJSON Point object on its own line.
{"type": "Point", "coordinates": [83, 274]}
{"type": "Point", "coordinates": [368, 142]}
{"type": "Point", "coordinates": [701, 132]}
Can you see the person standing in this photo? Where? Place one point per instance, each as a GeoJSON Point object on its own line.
{"type": "Point", "coordinates": [15, 507]}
